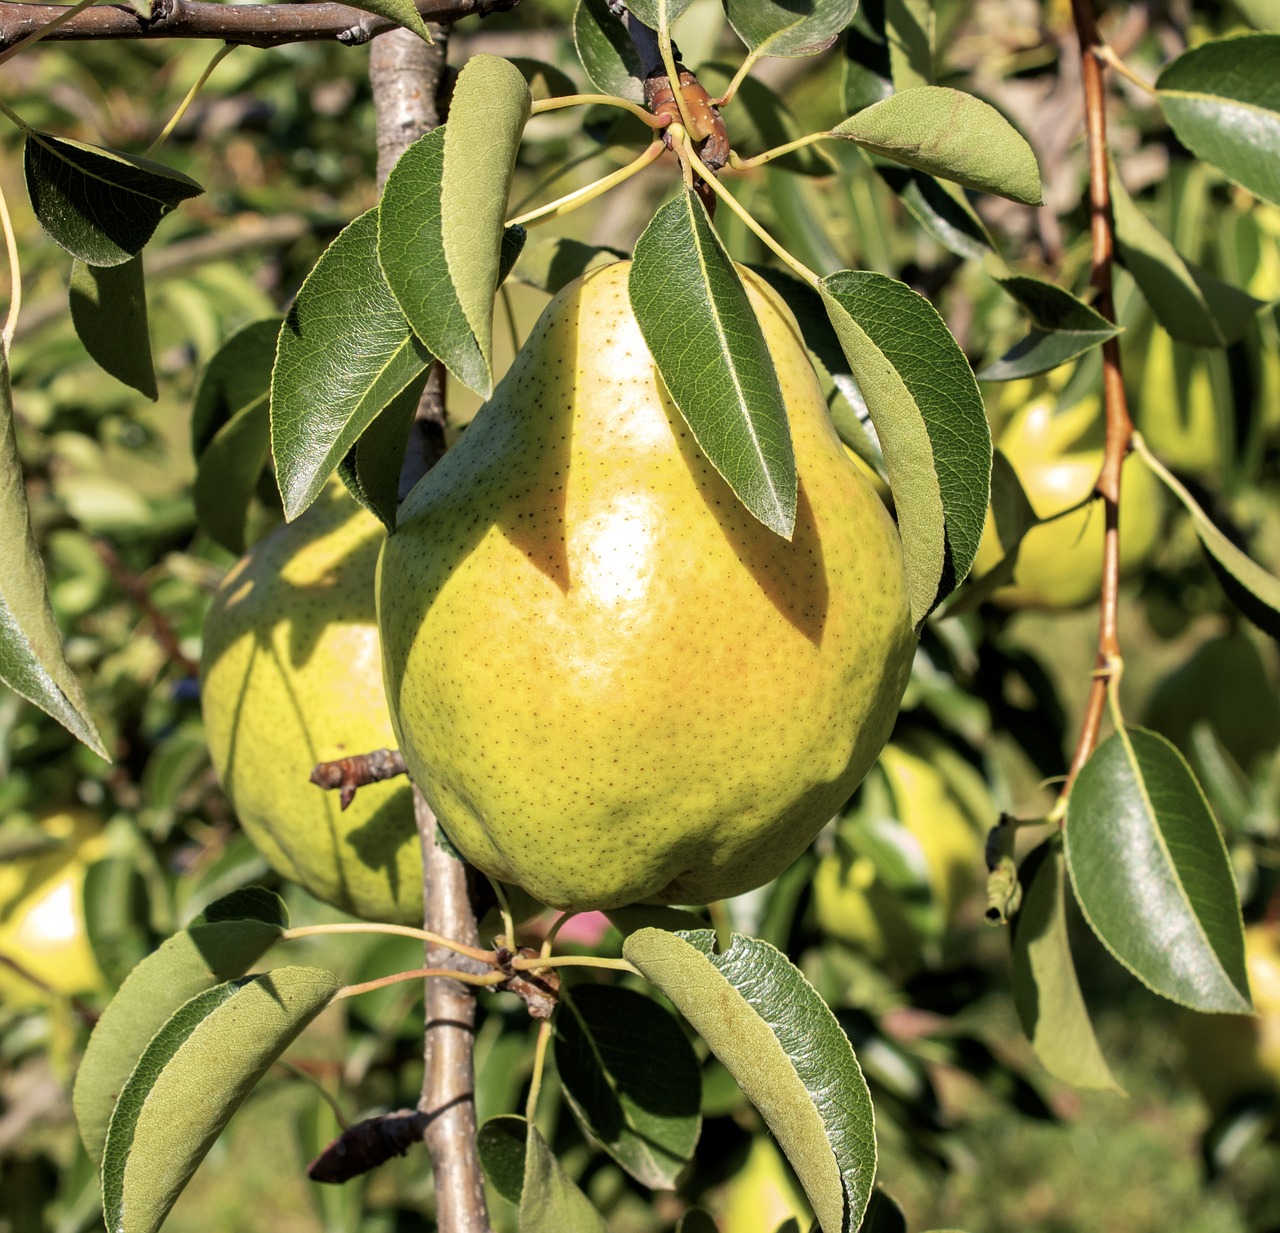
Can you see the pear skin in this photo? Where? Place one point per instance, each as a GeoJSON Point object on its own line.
{"type": "Point", "coordinates": [610, 681]}
{"type": "Point", "coordinates": [291, 676]}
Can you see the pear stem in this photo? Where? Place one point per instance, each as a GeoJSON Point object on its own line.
{"type": "Point", "coordinates": [1119, 427]}
{"type": "Point", "coordinates": [589, 192]}
{"type": "Point", "coordinates": [404, 931]}
{"type": "Point", "coordinates": [605, 100]}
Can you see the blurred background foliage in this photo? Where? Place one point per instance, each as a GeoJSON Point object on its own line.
{"type": "Point", "coordinates": [98, 862]}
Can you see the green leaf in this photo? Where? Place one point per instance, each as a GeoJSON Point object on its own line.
{"type": "Point", "coordinates": [545, 80]}
{"type": "Point", "coordinates": [708, 346]}
{"type": "Point", "coordinates": [696, 1220]}
{"type": "Point", "coordinates": [487, 115]}
{"type": "Point", "coordinates": [773, 28]}
{"type": "Point", "coordinates": [940, 208]}
{"type": "Point", "coordinates": [402, 12]}
{"type": "Point", "coordinates": [100, 205]}
{"type": "Point", "coordinates": [116, 914]}
{"type": "Point", "coordinates": [501, 1145]}
{"type": "Point", "coordinates": [949, 134]}
{"type": "Point", "coordinates": [109, 311]}
{"type": "Point", "coordinates": [32, 662]}
{"type": "Point", "coordinates": [867, 69]}
{"type": "Point", "coordinates": [237, 375]}
{"type": "Point", "coordinates": [1250, 587]}
{"type": "Point", "coordinates": [607, 53]}
{"type": "Point", "coordinates": [1222, 100]}
{"type": "Point", "coordinates": [1194, 306]}
{"type": "Point", "coordinates": [191, 1078]}
{"type": "Point", "coordinates": [371, 471]}
{"type": "Point", "coordinates": [231, 936]}
{"type": "Point", "coordinates": [411, 252]}
{"type": "Point", "coordinates": [1045, 989]}
{"type": "Point", "coordinates": [345, 352]}
{"type": "Point", "coordinates": [1063, 327]}
{"type": "Point", "coordinates": [782, 1044]}
{"type": "Point", "coordinates": [929, 417]}
{"type": "Point", "coordinates": [549, 1201]}
{"type": "Point", "coordinates": [632, 1080]}
{"type": "Point", "coordinates": [1151, 873]}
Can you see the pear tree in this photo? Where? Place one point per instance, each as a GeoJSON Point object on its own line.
{"type": "Point", "coordinates": [583, 705]}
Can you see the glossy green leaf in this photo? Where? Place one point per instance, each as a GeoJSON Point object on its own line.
{"type": "Point", "coordinates": [706, 342]}
{"type": "Point", "coordinates": [782, 1044]}
{"type": "Point", "coordinates": [632, 1080]}
{"type": "Point", "coordinates": [1151, 873]}
{"type": "Point", "coordinates": [487, 114]}
{"type": "Point", "coordinates": [1063, 328]}
{"type": "Point", "coordinates": [549, 1201]}
{"type": "Point", "coordinates": [100, 205]}
{"type": "Point", "coordinates": [1222, 100]}
{"type": "Point", "coordinates": [929, 418]}
{"type": "Point", "coordinates": [607, 53]}
{"type": "Point", "coordinates": [773, 28]}
{"type": "Point", "coordinates": [501, 1145]}
{"type": "Point", "coordinates": [1250, 587]}
{"type": "Point", "coordinates": [402, 12]}
{"type": "Point", "coordinates": [345, 352]}
{"type": "Point", "coordinates": [867, 67]}
{"type": "Point", "coordinates": [939, 207]}
{"type": "Point", "coordinates": [116, 914]}
{"type": "Point", "coordinates": [1194, 306]}
{"type": "Point", "coordinates": [192, 1076]}
{"type": "Point", "coordinates": [371, 471]}
{"type": "Point", "coordinates": [223, 943]}
{"type": "Point", "coordinates": [109, 311]}
{"type": "Point", "coordinates": [949, 134]}
{"type": "Point", "coordinates": [32, 663]}
{"type": "Point", "coordinates": [1045, 989]}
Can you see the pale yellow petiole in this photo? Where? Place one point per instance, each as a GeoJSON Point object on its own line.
{"type": "Point", "coordinates": [218, 56]}
{"type": "Point", "coordinates": [467, 978]}
{"type": "Point", "coordinates": [758, 160]}
{"type": "Point", "coordinates": [588, 193]}
{"type": "Point", "coordinates": [731, 90]}
{"type": "Point", "coordinates": [798, 267]}
{"type": "Point", "coordinates": [15, 277]}
{"type": "Point", "coordinates": [539, 1064]}
{"type": "Point", "coordinates": [404, 931]}
{"type": "Point", "coordinates": [608, 100]}
{"type": "Point", "coordinates": [571, 961]}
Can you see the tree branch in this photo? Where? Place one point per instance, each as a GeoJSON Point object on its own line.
{"type": "Point", "coordinates": [407, 76]}
{"type": "Point", "coordinates": [1119, 427]}
{"type": "Point", "coordinates": [257, 25]}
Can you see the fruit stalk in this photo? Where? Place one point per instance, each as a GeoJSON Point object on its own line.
{"type": "Point", "coordinates": [1119, 427]}
{"type": "Point", "coordinates": [408, 95]}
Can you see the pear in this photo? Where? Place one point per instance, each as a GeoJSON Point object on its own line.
{"type": "Point", "coordinates": [610, 681]}
{"type": "Point", "coordinates": [290, 676]}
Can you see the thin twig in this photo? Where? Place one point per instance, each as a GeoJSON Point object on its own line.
{"type": "Point", "coordinates": [161, 628]}
{"type": "Point", "coordinates": [257, 25]}
{"type": "Point", "coordinates": [346, 775]}
{"type": "Point", "coordinates": [1119, 427]}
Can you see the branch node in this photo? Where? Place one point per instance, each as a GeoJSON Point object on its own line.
{"type": "Point", "coordinates": [358, 771]}
{"type": "Point", "coordinates": [540, 992]}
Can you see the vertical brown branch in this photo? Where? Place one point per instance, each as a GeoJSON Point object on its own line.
{"type": "Point", "coordinates": [1119, 427]}
{"type": "Point", "coordinates": [407, 76]}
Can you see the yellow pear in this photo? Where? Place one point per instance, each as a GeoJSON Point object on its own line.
{"type": "Point", "coordinates": [611, 682]}
{"type": "Point", "coordinates": [1057, 455]}
{"type": "Point", "coordinates": [763, 1194]}
{"type": "Point", "coordinates": [42, 926]}
{"type": "Point", "coordinates": [290, 676]}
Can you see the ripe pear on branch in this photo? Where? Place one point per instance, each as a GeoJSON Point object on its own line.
{"type": "Point", "coordinates": [610, 681]}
